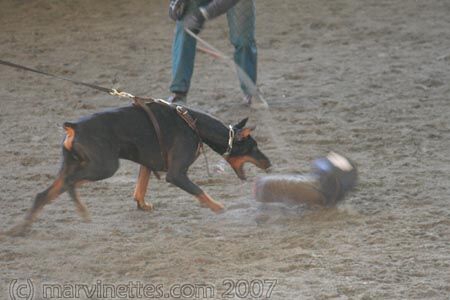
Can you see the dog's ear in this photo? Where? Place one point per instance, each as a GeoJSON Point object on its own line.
{"type": "Point", "coordinates": [244, 133]}
{"type": "Point", "coordinates": [241, 124]}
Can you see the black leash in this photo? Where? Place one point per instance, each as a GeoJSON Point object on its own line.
{"type": "Point", "coordinates": [138, 101]}
{"type": "Point", "coordinates": [93, 86]}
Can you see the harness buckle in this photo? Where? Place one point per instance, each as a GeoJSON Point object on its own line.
{"type": "Point", "coordinates": [181, 110]}
{"type": "Point", "coordinates": [230, 141]}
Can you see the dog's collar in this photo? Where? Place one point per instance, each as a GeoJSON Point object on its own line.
{"type": "Point", "coordinates": [230, 141]}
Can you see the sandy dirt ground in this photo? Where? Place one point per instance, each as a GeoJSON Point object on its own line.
{"type": "Point", "coordinates": [366, 78]}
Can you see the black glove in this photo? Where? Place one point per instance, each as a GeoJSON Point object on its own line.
{"type": "Point", "coordinates": [195, 21]}
{"type": "Point", "coordinates": [177, 9]}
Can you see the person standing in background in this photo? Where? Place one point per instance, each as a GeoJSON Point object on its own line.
{"type": "Point", "coordinates": [192, 14]}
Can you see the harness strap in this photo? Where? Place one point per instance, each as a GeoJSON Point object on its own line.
{"type": "Point", "coordinates": [184, 114]}
{"type": "Point", "coordinates": [181, 111]}
{"type": "Point", "coordinates": [141, 103]}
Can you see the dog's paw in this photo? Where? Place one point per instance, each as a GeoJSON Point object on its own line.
{"type": "Point", "coordinates": [145, 206]}
{"type": "Point", "coordinates": [84, 213]}
{"type": "Point", "coordinates": [86, 217]}
{"type": "Point", "coordinates": [206, 200]}
{"type": "Point", "coordinates": [217, 207]}
{"type": "Point", "coordinates": [18, 230]}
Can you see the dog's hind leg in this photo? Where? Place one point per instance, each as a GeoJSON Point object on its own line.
{"type": "Point", "coordinates": [57, 188]}
{"type": "Point", "coordinates": [141, 188]}
{"type": "Point", "coordinates": [81, 208]}
{"type": "Point", "coordinates": [41, 199]}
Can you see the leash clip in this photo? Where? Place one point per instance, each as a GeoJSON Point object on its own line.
{"type": "Point", "coordinates": [118, 93]}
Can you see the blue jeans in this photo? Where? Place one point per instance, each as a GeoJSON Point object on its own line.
{"type": "Point", "coordinates": [241, 24]}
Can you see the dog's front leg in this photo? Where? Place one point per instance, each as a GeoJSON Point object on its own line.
{"type": "Point", "coordinates": [206, 199]}
{"type": "Point", "coordinates": [141, 189]}
{"type": "Point", "coordinates": [180, 158]}
{"type": "Point", "coordinates": [182, 181]}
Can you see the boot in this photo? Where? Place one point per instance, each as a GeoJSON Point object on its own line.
{"type": "Point", "coordinates": [328, 183]}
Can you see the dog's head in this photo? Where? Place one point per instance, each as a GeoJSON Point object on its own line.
{"type": "Point", "coordinates": [245, 149]}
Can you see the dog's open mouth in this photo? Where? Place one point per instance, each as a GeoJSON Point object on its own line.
{"type": "Point", "coordinates": [237, 163]}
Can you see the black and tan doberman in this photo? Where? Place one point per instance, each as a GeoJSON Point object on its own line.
{"type": "Point", "coordinates": [93, 146]}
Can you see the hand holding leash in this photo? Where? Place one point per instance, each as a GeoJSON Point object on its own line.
{"type": "Point", "coordinates": [177, 9]}
{"type": "Point", "coordinates": [195, 21]}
